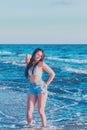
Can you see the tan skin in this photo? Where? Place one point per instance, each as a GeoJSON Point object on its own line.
{"type": "Point", "coordinates": [42, 97]}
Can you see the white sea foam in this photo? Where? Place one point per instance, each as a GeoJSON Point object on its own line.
{"type": "Point", "coordinates": [7, 116]}
{"type": "Point", "coordinates": [85, 97]}
{"type": "Point", "coordinates": [68, 106]}
{"type": "Point", "coordinates": [42, 128]}
{"type": "Point", "coordinates": [23, 122]}
{"type": "Point", "coordinates": [7, 126]}
{"type": "Point", "coordinates": [16, 62]}
{"type": "Point", "coordinates": [78, 71]}
{"type": "Point", "coordinates": [5, 87]}
{"type": "Point", "coordinates": [67, 60]}
{"type": "Point", "coordinates": [21, 54]}
{"type": "Point", "coordinates": [78, 114]}
{"type": "Point", "coordinates": [7, 62]}
{"type": "Point", "coordinates": [5, 52]}
{"type": "Point", "coordinates": [9, 52]}
{"type": "Point", "coordinates": [67, 91]}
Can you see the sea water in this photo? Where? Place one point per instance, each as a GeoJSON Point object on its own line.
{"type": "Point", "coordinates": [66, 106]}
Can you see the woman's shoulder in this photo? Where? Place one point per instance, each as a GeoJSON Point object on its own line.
{"type": "Point", "coordinates": [41, 63]}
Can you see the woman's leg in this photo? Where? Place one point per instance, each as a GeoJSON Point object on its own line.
{"type": "Point", "coordinates": [30, 107]}
{"type": "Point", "coordinates": [42, 97]}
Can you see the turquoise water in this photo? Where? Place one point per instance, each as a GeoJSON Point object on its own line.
{"type": "Point", "coordinates": [66, 106]}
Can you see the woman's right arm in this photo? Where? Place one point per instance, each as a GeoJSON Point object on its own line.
{"type": "Point", "coordinates": [27, 58]}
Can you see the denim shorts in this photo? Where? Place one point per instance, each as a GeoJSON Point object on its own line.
{"type": "Point", "coordinates": [37, 87]}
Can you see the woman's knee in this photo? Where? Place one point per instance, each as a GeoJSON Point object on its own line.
{"type": "Point", "coordinates": [41, 111]}
{"type": "Point", "coordinates": [29, 112]}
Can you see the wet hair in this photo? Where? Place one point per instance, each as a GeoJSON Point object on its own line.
{"type": "Point", "coordinates": [30, 64]}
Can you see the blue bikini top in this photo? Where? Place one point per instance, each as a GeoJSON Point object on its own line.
{"type": "Point", "coordinates": [37, 71]}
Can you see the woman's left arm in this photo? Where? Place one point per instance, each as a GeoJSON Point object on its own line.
{"type": "Point", "coordinates": [50, 71]}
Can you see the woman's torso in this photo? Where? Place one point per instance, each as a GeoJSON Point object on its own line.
{"type": "Point", "coordinates": [37, 74]}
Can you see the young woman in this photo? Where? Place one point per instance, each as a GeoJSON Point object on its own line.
{"type": "Point", "coordinates": [38, 87]}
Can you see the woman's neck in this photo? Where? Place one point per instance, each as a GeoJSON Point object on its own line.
{"type": "Point", "coordinates": [34, 62]}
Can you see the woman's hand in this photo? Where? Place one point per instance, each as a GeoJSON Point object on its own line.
{"type": "Point", "coordinates": [27, 58]}
{"type": "Point", "coordinates": [45, 86]}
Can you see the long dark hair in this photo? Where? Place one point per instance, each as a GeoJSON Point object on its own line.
{"type": "Point", "coordinates": [32, 60]}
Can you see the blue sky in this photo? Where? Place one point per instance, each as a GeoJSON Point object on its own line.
{"type": "Point", "coordinates": [47, 21]}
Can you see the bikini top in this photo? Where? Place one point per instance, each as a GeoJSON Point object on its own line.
{"type": "Point", "coordinates": [37, 71]}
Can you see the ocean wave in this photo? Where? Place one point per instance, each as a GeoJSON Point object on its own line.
{"type": "Point", "coordinates": [78, 71]}
{"type": "Point", "coordinates": [9, 52]}
{"type": "Point", "coordinates": [21, 54]}
{"type": "Point", "coordinates": [13, 60]}
{"type": "Point", "coordinates": [18, 89]}
{"type": "Point", "coordinates": [40, 128]}
{"type": "Point", "coordinates": [7, 116]}
{"type": "Point", "coordinates": [59, 90]}
{"type": "Point", "coordinates": [67, 60]}
{"type": "Point", "coordinates": [16, 62]}
{"type": "Point", "coordinates": [5, 87]}
{"type": "Point", "coordinates": [21, 62]}
{"type": "Point", "coordinates": [6, 52]}
{"type": "Point", "coordinates": [2, 127]}
{"type": "Point", "coordinates": [85, 97]}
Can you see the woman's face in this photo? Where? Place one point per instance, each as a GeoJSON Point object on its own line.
{"type": "Point", "coordinates": [38, 55]}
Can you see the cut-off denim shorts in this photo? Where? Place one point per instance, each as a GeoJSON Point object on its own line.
{"type": "Point", "coordinates": [37, 87]}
